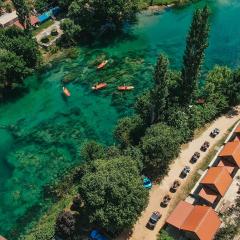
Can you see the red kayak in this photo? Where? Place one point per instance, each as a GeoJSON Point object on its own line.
{"type": "Point", "coordinates": [66, 92]}
{"type": "Point", "coordinates": [102, 65]}
{"type": "Point", "coordinates": [99, 86]}
{"type": "Point", "coordinates": [125, 88]}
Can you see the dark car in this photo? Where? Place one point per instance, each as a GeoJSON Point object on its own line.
{"type": "Point", "coordinates": [153, 220]}
{"type": "Point", "coordinates": [175, 186]}
{"type": "Point", "coordinates": [214, 132]}
{"type": "Point", "coordinates": [185, 172]}
{"type": "Point", "coordinates": [195, 157]}
{"type": "Point", "coordinates": [96, 235]}
{"type": "Point", "coordinates": [205, 146]}
{"type": "Point", "coordinates": [165, 201]}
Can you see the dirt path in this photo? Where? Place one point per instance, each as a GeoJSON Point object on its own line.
{"type": "Point", "coordinates": [140, 232]}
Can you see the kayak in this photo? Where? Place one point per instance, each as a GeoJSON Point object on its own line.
{"type": "Point", "coordinates": [102, 65]}
{"type": "Point", "coordinates": [66, 92]}
{"type": "Point", "coordinates": [125, 88]}
{"type": "Point", "coordinates": [99, 86]}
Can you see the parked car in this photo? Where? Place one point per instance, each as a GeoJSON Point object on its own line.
{"type": "Point", "coordinates": [185, 172]}
{"type": "Point", "coordinates": [153, 220]}
{"type": "Point", "coordinates": [147, 183]}
{"type": "Point", "coordinates": [165, 201]}
{"type": "Point", "coordinates": [175, 186]}
{"type": "Point", "coordinates": [214, 132]}
{"type": "Point", "coordinates": [205, 146]}
{"type": "Point", "coordinates": [195, 157]}
{"type": "Point", "coordinates": [96, 235]}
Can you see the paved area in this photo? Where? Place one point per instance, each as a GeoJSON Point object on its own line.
{"type": "Point", "coordinates": [47, 31]}
{"type": "Point", "coordinates": [140, 232]}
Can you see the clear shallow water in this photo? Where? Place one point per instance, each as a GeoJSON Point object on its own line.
{"type": "Point", "coordinates": [45, 131]}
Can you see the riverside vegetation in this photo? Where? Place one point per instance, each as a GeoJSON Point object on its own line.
{"type": "Point", "coordinates": [110, 179]}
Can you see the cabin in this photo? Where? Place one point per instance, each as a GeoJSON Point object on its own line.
{"type": "Point", "coordinates": [213, 186]}
{"type": "Point", "coordinates": [194, 222]}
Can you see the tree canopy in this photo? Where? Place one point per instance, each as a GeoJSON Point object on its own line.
{"type": "Point", "coordinates": [197, 42]}
{"type": "Point", "coordinates": [97, 17]}
{"type": "Point", "coordinates": [113, 193]}
{"type": "Point", "coordinates": [160, 145]}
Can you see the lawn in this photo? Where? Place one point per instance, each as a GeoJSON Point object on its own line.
{"type": "Point", "coordinates": [43, 26]}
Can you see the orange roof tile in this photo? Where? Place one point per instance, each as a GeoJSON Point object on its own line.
{"type": "Point", "coordinates": [218, 177]}
{"type": "Point", "coordinates": [232, 149]}
{"type": "Point", "coordinates": [34, 20]}
{"type": "Point", "coordinates": [203, 221]}
{"type": "Point", "coordinates": [180, 213]}
{"type": "Point", "coordinates": [207, 194]}
{"type": "Point", "coordinates": [228, 165]}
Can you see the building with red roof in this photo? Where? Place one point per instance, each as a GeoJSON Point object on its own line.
{"type": "Point", "coordinates": [33, 20]}
{"type": "Point", "coordinates": [214, 185]}
{"type": "Point", "coordinates": [195, 222]}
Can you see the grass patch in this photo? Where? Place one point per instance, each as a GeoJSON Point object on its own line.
{"type": "Point", "coordinates": [43, 26]}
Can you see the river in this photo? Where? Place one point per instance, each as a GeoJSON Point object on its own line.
{"type": "Point", "coordinates": [42, 132]}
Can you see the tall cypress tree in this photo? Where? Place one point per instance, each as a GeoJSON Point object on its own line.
{"type": "Point", "coordinates": [23, 13]}
{"type": "Point", "coordinates": [160, 92]}
{"type": "Point", "coordinates": [197, 42]}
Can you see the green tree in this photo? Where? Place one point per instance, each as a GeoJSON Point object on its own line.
{"type": "Point", "coordinates": [23, 12]}
{"type": "Point", "coordinates": [12, 68]}
{"type": "Point", "coordinates": [92, 150]}
{"type": "Point", "coordinates": [143, 107]}
{"type": "Point", "coordinates": [160, 92]}
{"type": "Point", "coordinates": [99, 16]}
{"type": "Point", "coordinates": [129, 130]}
{"type": "Point", "coordinates": [197, 42]}
{"type": "Point", "coordinates": [71, 32]}
{"type": "Point", "coordinates": [113, 193]}
{"type": "Point", "coordinates": [160, 145]}
{"type": "Point", "coordinates": [15, 40]}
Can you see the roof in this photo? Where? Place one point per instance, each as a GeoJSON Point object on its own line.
{"type": "Point", "coordinates": [203, 221]}
{"type": "Point", "coordinates": [34, 20]}
{"type": "Point", "coordinates": [231, 149]}
{"type": "Point", "coordinates": [8, 17]}
{"type": "Point", "coordinates": [207, 194]}
{"type": "Point", "coordinates": [228, 165]}
{"type": "Point", "coordinates": [2, 238]}
{"type": "Point", "coordinates": [218, 177]}
{"type": "Point", "coordinates": [180, 213]}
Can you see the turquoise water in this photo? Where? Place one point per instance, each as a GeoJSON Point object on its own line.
{"type": "Point", "coordinates": [42, 132]}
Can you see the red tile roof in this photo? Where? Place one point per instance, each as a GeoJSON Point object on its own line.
{"type": "Point", "coordinates": [232, 149]}
{"type": "Point", "coordinates": [207, 194]}
{"type": "Point", "coordinates": [34, 20]}
{"type": "Point", "coordinates": [201, 220]}
{"type": "Point", "coordinates": [180, 214]}
{"type": "Point", "coordinates": [228, 165]}
{"type": "Point", "coordinates": [218, 177]}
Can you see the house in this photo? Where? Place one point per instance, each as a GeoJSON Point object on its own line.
{"type": "Point", "coordinates": [214, 185]}
{"type": "Point", "coordinates": [229, 157]}
{"type": "Point", "coordinates": [33, 20]}
{"type": "Point", "coordinates": [194, 222]}
{"type": "Point", "coordinates": [8, 19]}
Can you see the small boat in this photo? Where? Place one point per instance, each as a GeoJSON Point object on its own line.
{"type": "Point", "coordinates": [125, 88]}
{"type": "Point", "coordinates": [102, 65]}
{"type": "Point", "coordinates": [66, 92]}
{"type": "Point", "coordinates": [99, 86]}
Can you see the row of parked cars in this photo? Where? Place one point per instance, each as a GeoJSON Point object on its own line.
{"type": "Point", "coordinates": [147, 183]}
{"type": "Point", "coordinates": [156, 215]}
